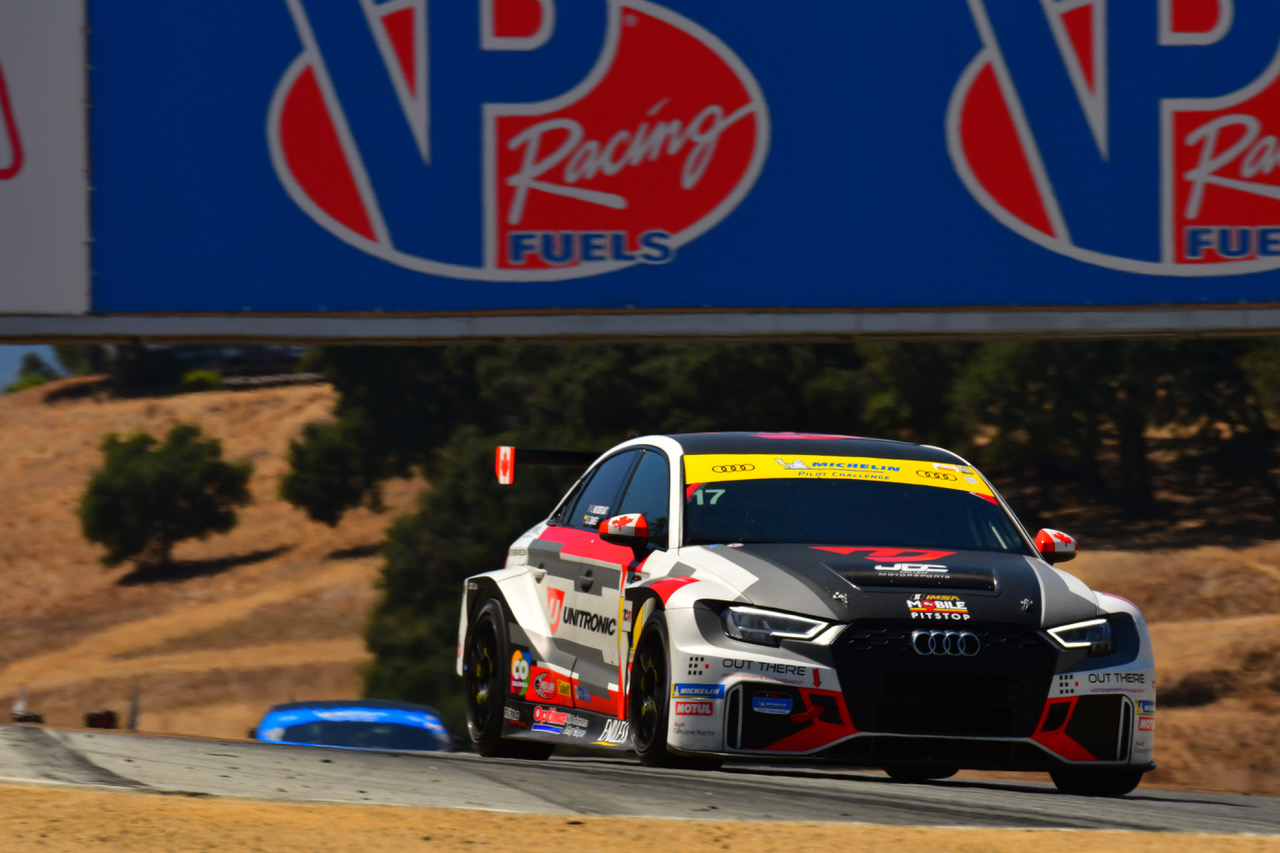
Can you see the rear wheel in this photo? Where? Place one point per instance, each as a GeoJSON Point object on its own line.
{"type": "Point", "coordinates": [920, 772]}
{"type": "Point", "coordinates": [648, 700]}
{"type": "Point", "coordinates": [486, 657]}
{"type": "Point", "coordinates": [1096, 782]}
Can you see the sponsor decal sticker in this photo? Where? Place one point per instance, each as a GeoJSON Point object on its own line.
{"type": "Point", "coordinates": [554, 720]}
{"type": "Point", "coordinates": [694, 709]}
{"type": "Point", "coordinates": [549, 720]}
{"type": "Point", "coordinates": [555, 606]}
{"type": "Point", "coordinates": [544, 685]}
{"type": "Point", "coordinates": [598, 146]}
{"type": "Point", "coordinates": [1117, 678]}
{"type": "Point", "coordinates": [1146, 724]}
{"type": "Point", "coordinates": [913, 569]}
{"type": "Point", "coordinates": [520, 663]}
{"type": "Point", "coordinates": [510, 714]}
{"type": "Point", "coordinates": [698, 665]}
{"type": "Point", "coordinates": [587, 621]}
{"type": "Point", "coordinates": [925, 606]}
{"type": "Point", "coordinates": [771, 703]}
{"type": "Point", "coordinates": [1146, 706]}
{"type": "Point", "coordinates": [703, 469]}
{"type": "Point", "coordinates": [615, 732]}
{"type": "Point", "coordinates": [701, 691]}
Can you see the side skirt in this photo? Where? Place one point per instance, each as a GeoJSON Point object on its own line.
{"type": "Point", "coordinates": [565, 726]}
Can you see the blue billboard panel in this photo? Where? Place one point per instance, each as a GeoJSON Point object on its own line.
{"type": "Point", "coordinates": [355, 156]}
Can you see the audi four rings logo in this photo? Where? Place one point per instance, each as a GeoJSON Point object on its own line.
{"type": "Point", "coordinates": [935, 475]}
{"type": "Point", "coordinates": [732, 469]}
{"type": "Point", "coordinates": [962, 643]}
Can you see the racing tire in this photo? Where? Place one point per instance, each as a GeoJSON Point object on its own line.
{"type": "Point", "coordinates": [1100, 782]}
{"type": "Point", "coordinates": [920, 772]}
{"type": "Point", "coordinates": [648, 700]}
{"type": "Point", "coordinates": [484, 668]}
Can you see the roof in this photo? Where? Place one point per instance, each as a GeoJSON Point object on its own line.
{"type": "Point", "coordinates": [786, 443]}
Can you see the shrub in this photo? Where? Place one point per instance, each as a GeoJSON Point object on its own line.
{"type": "Point", "coordinates": [199, 380]}
{"type": "Point", "coordinates": [148, 496]}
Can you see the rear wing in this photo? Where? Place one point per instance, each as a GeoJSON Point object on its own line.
{"type": "Point", "coordinates": [505, 458]}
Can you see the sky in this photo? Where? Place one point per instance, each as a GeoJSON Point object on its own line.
{"type": "Point", "coordinates": [11, 360]}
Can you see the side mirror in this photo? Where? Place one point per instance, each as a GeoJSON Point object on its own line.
{"type": "Point", "coordinates": [1055, 546]}
{"type": "Point", "coordinates": [628, 529]}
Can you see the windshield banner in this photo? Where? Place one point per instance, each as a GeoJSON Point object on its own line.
{"type": "Point", "coordinates": [750, 466]}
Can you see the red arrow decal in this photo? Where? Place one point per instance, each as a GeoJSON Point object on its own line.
{"type": "Point", "coordinates": [817, 680]}
{"type": "Point", "coordinates": [812, 713]}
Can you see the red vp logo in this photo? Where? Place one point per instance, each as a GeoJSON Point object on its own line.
{"type": "Point", "coordinates": [10, 144]}
{"type": "Point", "coordinates": [1140, 135]}
{"type": "Point", "coordinates": [514, 140]}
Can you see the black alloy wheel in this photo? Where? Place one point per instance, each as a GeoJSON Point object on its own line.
{"type": "Point", "coordinates": [485, 660]}
{"type": "Point", "coordinates": [648, 700]}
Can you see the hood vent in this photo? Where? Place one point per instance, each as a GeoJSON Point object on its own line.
{"type": "Point", "coordinates": [917, 576]}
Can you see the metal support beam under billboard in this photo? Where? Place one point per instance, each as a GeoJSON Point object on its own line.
{"type": "Point", "coordinates": [573, 328]}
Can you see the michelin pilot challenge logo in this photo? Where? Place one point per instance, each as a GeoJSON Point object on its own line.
{"type": "Point", "coordinates": [1142, 136]}
{"type": "Point", "coordinates": [579, 138]}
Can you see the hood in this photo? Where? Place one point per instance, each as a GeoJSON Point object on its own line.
{"type": "Point", "coordinates": [935, 588]}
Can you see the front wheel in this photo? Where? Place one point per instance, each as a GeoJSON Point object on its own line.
{"type": "Point", "coordinates": [648, 701]}
{"type": "Point", "coordinates": [1096, 782]}
{"type": "Point", "coordinates": [647, 705]}
{"type": "Point", "coordinates": [486, 657]}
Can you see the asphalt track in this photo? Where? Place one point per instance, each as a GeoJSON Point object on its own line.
{"type": "Point", "coordinates": [597, 786]}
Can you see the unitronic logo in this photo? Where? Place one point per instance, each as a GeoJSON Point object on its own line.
{"type": "Point", "coordinates": [514, 140]}
{"type": "Point", "coordinates": [1139, 135]}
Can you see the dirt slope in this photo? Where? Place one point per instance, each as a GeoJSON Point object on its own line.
{"type": "Point", "coordinates": [269, 613]}
{"type": "Point", "coordinates": [272, 612]}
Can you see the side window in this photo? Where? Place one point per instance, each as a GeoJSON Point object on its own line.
{"type": "Point", "coordinates": [649, 493]}
{"type": "Point", "coordinates": [598, 497]}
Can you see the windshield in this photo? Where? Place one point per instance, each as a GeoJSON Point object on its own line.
{"type": "Point", "coordinates": [845, 502]}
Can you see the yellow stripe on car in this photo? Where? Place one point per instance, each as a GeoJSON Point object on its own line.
{"type": "Point", "coordinates": [752, 466]}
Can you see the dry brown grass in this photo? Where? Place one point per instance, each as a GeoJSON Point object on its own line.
{"type": "Point", "coordinates": [272, 612]}
{"type": "Point", "coordinates": [269, 613]}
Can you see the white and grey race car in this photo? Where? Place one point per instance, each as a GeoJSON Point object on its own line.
{"type": "Point", "coordinates": [707, 597]}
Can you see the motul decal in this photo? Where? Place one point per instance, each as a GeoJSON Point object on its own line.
{"type": "Point", "coordinates": [1140, 136]}
{"type": "Point", "coordinates": [575, 139]}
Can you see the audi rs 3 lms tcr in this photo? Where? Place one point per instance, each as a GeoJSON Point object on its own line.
{"type": "Point", "coordinates": [701, 598]}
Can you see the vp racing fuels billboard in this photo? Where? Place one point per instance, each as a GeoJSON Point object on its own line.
{"type": "Point", "coordinates": [525, 156]}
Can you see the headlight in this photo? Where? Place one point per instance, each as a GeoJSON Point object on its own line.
{"type": "Point", "coordinates": [753, 625]}
{"type": "Point", "coordinates": [1095, 635]}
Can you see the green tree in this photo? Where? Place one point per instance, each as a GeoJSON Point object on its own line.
{"type": "Point", "coordinates": [81, 359]}
{"type": "Point", "coordinates": [147, 496]}
{"type": "Point", "coordinates": [33, 371]}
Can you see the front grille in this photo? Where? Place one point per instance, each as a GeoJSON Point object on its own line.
{"type": "Point", "coordinates": [998, 692]}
